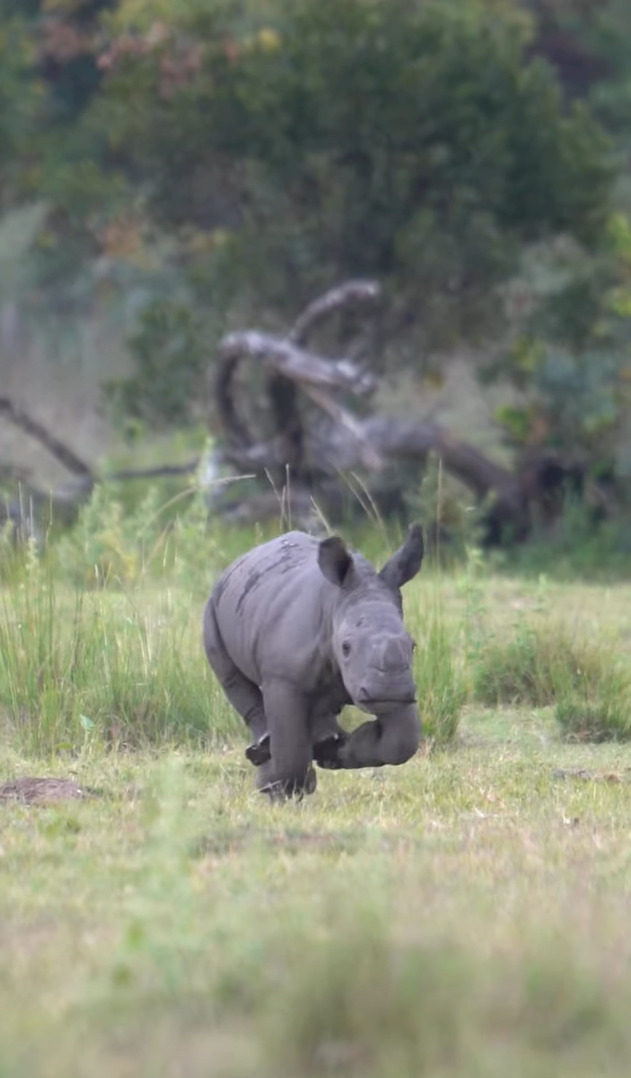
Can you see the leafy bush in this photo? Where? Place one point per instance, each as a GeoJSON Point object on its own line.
{"type": "Point", "coordinates": [170, 358]}
{"type": "Point", "coordinates": [294, 144]}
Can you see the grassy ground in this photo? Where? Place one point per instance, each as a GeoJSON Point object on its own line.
{"type": "Point", "coordinates": [464, 915]}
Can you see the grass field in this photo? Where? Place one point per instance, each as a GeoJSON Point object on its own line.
{"type": "Point", "coordinates": [466, 914]}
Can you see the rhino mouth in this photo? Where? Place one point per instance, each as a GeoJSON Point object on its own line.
{"type": "Point", "coordinates": [368, 703]}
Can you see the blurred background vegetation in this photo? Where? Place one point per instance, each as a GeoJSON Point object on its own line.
{"type": "Point", "coordinates": [174, 169]}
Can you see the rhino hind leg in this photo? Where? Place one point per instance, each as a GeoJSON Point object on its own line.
{"type": "Point", "coordinates": [392, 739]}
{"type": "Point", "coordinates": [243, 694]}
{"type": "Point", "coordinates": [289, 772]}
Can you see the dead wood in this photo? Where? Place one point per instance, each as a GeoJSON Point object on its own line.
{"type": "Point", "coordinates": [349, 296]}
{"type": "Point", "coordinates": [302, 427]}
{"type": "Point", "coordinates": [316, 436]}
{"type": "Point", "coordinates": [62, 452]}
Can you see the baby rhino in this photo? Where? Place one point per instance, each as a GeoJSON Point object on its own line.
{"type": "Point", "coordinates": [297, 628]}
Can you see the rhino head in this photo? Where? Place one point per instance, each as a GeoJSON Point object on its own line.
{"type": "Point", "coordinates": [371, 645]}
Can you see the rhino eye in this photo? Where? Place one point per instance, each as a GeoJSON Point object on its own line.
{"type": "Point", "coordinates": [346, 648]}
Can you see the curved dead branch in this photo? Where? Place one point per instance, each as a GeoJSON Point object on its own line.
{"type": "Point", "coordinates": [281, 356]}
{"type": "Point", "coordinates": [289, 365]}
{"type": "Point", "coordinates": [352, 294]}
{"type": "Point", "coordinates": [37, 430]}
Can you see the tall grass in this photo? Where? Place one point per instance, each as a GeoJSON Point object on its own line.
{"type": "Point", "coordinates": [100, 638]}
{"type": "Point", "coordinates": [439, 675]}
{"type": "Point", "coordinates": [81, 668]}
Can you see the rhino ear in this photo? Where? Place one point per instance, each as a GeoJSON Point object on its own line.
{"type": "Point", "coordinates": [334, 560]}
{"type": "Point", "coordinates": [406, 562]}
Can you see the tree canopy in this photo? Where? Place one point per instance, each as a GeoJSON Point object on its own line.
{"type": "Point", "coordinates": [240, 156]}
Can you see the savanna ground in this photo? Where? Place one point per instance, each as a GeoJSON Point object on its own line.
{"type": "Point", "coordinates": [466, 914]}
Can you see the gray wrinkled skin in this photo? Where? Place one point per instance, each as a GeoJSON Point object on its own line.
{"type": "Point", "coordinates": [296, 629]}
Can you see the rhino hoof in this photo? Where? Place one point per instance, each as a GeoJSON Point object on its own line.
{"type": "Point", "coordinates": [259, 751]}
{"type": "Point", "coordinates": [326, 752]}
{"type": "Point", "coordinates": [283, 790]}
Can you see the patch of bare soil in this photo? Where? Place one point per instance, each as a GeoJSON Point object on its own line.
{"type": "Point", "coordinates": [42, 791]}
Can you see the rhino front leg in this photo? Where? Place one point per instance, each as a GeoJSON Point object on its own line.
{"type": "Point", "coordinates": [267, 784]}
{"type": "Point", "coordinates": [391, 739]}
{"type": "Point", "coordinates": [289, 770]}
{"type": "Point", "coordinates": [327, 737]}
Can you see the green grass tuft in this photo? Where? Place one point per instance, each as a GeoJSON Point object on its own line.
{"type": "Point", "coordinates": [439, 676]}
{"type": "Point", "coordinates": [540, 665]}
{"type": "Point", "coordinates": [595, 704]}
{"type": "Point", "coordinates": [519, 668]}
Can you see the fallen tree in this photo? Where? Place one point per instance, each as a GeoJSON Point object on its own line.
{"type": "Point", "coordinates": [295, 427]}
{"type": "Point", "coordinates": [316, 437]}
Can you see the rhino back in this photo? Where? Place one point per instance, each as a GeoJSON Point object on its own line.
{"type": "Point", "coordinates": [273, 608]}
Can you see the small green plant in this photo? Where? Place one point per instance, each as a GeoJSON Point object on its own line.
{"type": "Point", "coordinates": [103, 547]}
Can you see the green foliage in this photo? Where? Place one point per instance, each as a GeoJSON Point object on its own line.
{"type": "Point", "coordinates": [236, 158]}
{"type": "Point", "coordinates": [579, 547]}
{"type": "Point", "coordinates": [170, 357]}
{"type": "Point", "coordinates": [413, 142]}
{"type": "Point", "coordinates": [567, 353]}
{"type": "Point", "coordinates": [20, 95]}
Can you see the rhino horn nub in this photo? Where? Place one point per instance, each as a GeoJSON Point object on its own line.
{"type": "Point", "coordinates": [406, 562]}
{"type": "Point", "coordinates": [334, 560]}
{"type": "Point", "coordinates": [392, 653]}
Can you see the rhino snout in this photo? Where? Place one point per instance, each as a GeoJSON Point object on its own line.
{"type": "Point", "coordinates": [387, 690]}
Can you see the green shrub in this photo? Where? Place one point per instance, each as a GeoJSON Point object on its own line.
{"type": "Point", "coordinates": [416, 142]}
